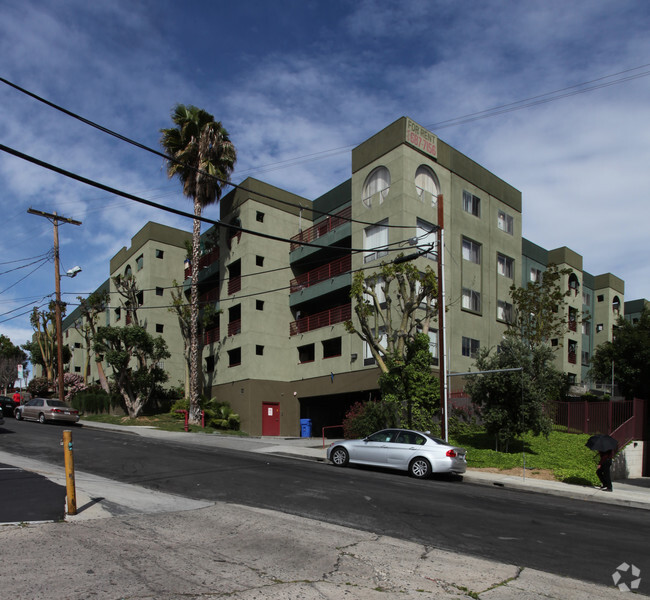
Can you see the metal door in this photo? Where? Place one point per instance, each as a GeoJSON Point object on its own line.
{"type": "Point", "coordinates": [270, 418]}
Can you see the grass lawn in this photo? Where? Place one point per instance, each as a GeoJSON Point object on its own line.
{"type": "Point", "coordinates": [564, 454]}
{"type": "Point", "coordinates": [164, 421]}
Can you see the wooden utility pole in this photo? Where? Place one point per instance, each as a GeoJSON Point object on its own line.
{"type": "Point", "coordinates": [441, 322]}
{"type": "Point", "coordinates": [54, 218]}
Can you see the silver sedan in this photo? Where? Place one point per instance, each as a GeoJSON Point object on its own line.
{"type": "Point", "coordinates": [416, 452]}
{"type": "Point", "coordinates": [46, 409]}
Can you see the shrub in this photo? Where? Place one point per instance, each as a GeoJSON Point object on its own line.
{"type": "Point", "coordinates": [94, 400]}
{"type": "Point", "coordinates": [365, 418]}
{"type": "Point", "coordinates": [39, 386]}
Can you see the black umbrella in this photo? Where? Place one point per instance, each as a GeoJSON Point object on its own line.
{"type": "Point", "coordinates": [602, 443]}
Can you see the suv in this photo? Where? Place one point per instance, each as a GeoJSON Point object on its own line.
{"type": "Point", "coordinates": [7, 405]}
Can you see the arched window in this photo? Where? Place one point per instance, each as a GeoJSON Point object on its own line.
{"type": "Point", "coordinates": [616, 305]}
{"type": "Point", "coordinates": [574, 284]}
{"type": "Point", "coordinates": [426, 184]}
{"type": "Point", "coordinates": [377, 186]}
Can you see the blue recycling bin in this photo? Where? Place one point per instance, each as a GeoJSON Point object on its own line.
{"type": "Point", "coordinates": [305, 428]}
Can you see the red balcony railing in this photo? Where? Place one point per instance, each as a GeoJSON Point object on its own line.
{"type": "Point", "coordinates": [573, 325]}
{"type": "Point", "coordinates": [338, 314]}
{"type": "Point", "coordinates": [319, 230]}
{"type": "Point", "coordinates": [234, 285]}
{"type": "Point", "coordinates": [211, 336]}
{"type": "Point", "coordinates": [572, 357]}
{"type": "Point", "coordinates": [234, 328]}
{"type": "Point", "coordinates": [208, 297]}
{"type": "Point", "coordinates": [204, 261]}
{"type": "Point", "coordinates": [342, 265]}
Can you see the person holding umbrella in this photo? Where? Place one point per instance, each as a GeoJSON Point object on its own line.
{"type": "Point", "coordinates": [605, 445]}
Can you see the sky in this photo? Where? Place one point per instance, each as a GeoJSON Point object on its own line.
{"type": "Point", "coordinates": [298, 84]}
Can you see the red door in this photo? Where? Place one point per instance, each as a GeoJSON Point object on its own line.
{"type": "Point", "coordinates": [270, 418]}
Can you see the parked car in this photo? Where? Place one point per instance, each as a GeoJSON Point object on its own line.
{"type": "Point", "coordinates": [419, 453]}
{"type": "Point", "coordinates": [7, 404]}
{"type": "Point", "coordinates": [2, 421]}
{"type": "Point", "coordinates": [46, 409]}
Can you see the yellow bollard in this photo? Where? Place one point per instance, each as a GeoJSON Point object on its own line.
{"type": "Point", "coordinates": [69, 472]}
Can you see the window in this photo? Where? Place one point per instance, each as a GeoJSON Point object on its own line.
{"type": "Point", "coordinates": [378, 287]}
{"type": "Point", "coordinates": [377, 185]}
{"type": "Point", "coordinates": [616, 305]}
{"type": "Point", "coordinates": [574, 284]}
{"type": "Point", "coordinates": [471, 300]}
{"type": "Point", "coordinates": [159, 253]}
{"type": "Point", "coordinates": [425, 184]}
{"type": "Point", "coordinates": [471, 204]}
{"type": "Point", "coordinates": [159, 327]}
{"type": "Point", "coordinates": [259, 217]}
{"type": "Point", "coordinates": [433, 342]}
{"type": "Point", "coordinates": [535, 275]}
{"type": "Point", "coordinates": [504, 311]}
{"type": "Point", "coordinates": [159, 291]}
{"type": "Point", "coordinates": [139, 262]}
{"type": "Point", "coordinates": [375, 240]}
{"type": "Point", "coordinates": [259, 350]}
{"type": "Point", "coordinates": [600, 298]}
{"type": "Point", "coordinates": [234, 320]}
{"type": "Point", "coordinates": [259, 304]}
{"type": "Point", "coordinates": [368, 358]}
{"type": "Point", "coordinates": [77, 369]}
{"type": "Point", "coordinates": [306, 353]}
{"type": "Point", "coordinates": [332, 347]}
{"type": "Point", "coordinates": [586, 298]}
{"type": "Point", "coordinates": [118, 314]}
{"type": "Point", "coordinates": [77, 345]}
{"type": "Point", "coordinates": [505, 222]}
{"type": "Point", "coordinates": [554, 342]}
{"type": "Point", "coordinates": [471, 347]}
{"type": "Point", "coordinates": [599, 327]}
{"type": "Point", "coordinates": [505, 266]}
{"type": "Point", "coordinates": [427, 235]}
{"type": "Point", "coordinates": [585, 358]}
{"type": "Point", "coordinates": [471, 251]}
{"type": "Point", "coordinates": [259, 261]}
{"type": "Point", "coordinates": [209, 364]}
{"type": "Point", "coordinates": [586, 328]}
{"type": "Point", "coordinates": [234, 357]}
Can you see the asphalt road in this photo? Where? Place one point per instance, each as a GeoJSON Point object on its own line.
{"type": "Point", "coordinates": [567, 537]}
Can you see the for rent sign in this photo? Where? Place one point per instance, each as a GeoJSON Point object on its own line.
{"type": "Point", "coordinates": [421, 138]}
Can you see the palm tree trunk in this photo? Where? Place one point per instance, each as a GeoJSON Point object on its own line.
{"type": "Point", "coordinates": [195, 409]}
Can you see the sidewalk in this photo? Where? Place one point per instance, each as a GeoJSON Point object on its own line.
{"type": "Point", "coordinates": [130, 542]}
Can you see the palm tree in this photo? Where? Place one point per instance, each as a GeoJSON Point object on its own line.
{"type": "Point", "coordinates": [202, 156]}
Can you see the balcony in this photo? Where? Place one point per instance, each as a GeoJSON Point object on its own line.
{"type": "Point", "coordinates": [338, 314]}
{"type": "Point", "coordinates": [211, 336]}
{"type": "Point", "coordinates": [572, 357]}
{"type": "Point", "coordinates": [234, 328]}
{"type": "Point", "coordinates": [234, 285]}
{"type": "Point", "coordinates": [204, 261]}
{"type": "Point", "coordinates": [573, 325]}
{"type": "Point", "coordinates": [209, 297]}
{"type": "Point", "coordinates": [319, 230]}
{"type": "Point", "coordinates": [342, 265]}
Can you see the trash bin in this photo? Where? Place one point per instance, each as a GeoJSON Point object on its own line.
{"type": "Point", "coordinates": [305, 428]}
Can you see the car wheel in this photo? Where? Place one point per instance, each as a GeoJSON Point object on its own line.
{"type": "Point", "coordinates": [420, 468]}
{"type": "Point", "coordinates": [340, 456]}
{"type": "Point", "coordinates": [41, 419]}
{"type": "Point", "coordinates": [18, 414]}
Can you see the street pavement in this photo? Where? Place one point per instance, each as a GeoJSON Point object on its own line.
{"type": "Point", "coordinates": [130, 542]}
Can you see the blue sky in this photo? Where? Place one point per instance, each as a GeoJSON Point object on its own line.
{"type": "Point", "coordinates": [298, 84]}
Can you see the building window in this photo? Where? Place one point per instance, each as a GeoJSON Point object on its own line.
{"type": "Point", "coordinates": [159, 327]}
{"type": "Point", "coordinates": [259, 350]}
{"type": "Point", "coordinates": [599, 327]}
{"type": "Point", "coordinates": [425, 185]}
{"type": "Point", "coordinates": [554, 342]}
{"type": "Point", "coordinates": [234, 357]}
{"type": "Point", "coordinates": [505, 266]}
{"type": "Point", "coordinates": [535, 275]}
{"type": "Point", "coordinates": [377, 186]}
{"type": "Point", "coordinates": [139, 262]}
{"type": "Point", "coordinates": [616, 305]}
{"type": "Point", "coordinates": [118, 314]}
{"type": "Point", "coordinates": [600, 298]}
{"type": "Point", "coordinates": [159, 253]}
{"type": "Point", "coordinates": [471, 347]}
{"type": "Point", "coordinates": [368, 358]}
{"type": "Point", "coordinates": [234, 320]}
{"type": "Point", "coordinates": [427, 235]}
{"type": "Point", "coordinates": [77, 369]}
{"type": "Point", "coordinates": [586, 298]}
{"type": "Point", "coordinates": [332, 347]}
{"type": "Point", "coordinates": [586, 328]}
{"type": "Point", "coordinates": [504, 311]}
{"type": "Point", "coordinates": [259, 304]}
{"type": "Point", "coordinates": [471, 204]}
{"type": "Point", "coordinates": [471, 300]}
{"type": "Point", "coordinates": [306, 353]}
{"type": "Point", "coordinates": [259, 217]}
{"type": "Point", "coordinates": [259, 261]}
{"type": "Point", "coordinates": [159, 291]}
{"type": "Point", "coordinates": [209, 364]}
{"type": "Point", "coordinates": [471, 251]}
{"type": "Point", "coordinates": [375, 241]}
{"type": "Point", "coordinates": [505, 222]}
{"type": "Point", "coordinates": [77, 345]}
{"type": "Point", "coordinates": [585, 358]}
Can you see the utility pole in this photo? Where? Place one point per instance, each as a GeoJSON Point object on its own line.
{"type": "Point", "coordinates": [442, 366]}
{"type": "Point", "coordinates": [54, 218]}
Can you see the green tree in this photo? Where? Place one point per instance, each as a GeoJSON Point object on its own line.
{"type": "Point", "coordinates": [124, 347]}
{"type": "Point", "coordinates": [629, 352]}
{"type": "Point", "coordinates": [392, 306]}
{"type": "Point", "coordinates": [203, 158]}
{"type": "Point", "coordinates": [538, 308]}
{"type": "Point", "coordinates": [410, 387]}
{"type": "Point", "coordinates": [512, 403]}
{"type": "Point", "coordinates": [10, 357]}
{"type": "Point", "coordinates": [43, 347]}
{"type": "Point", "coordinates": [91, 308]}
